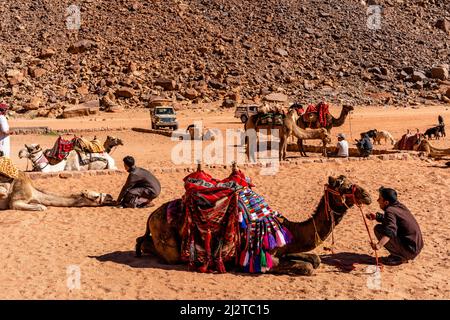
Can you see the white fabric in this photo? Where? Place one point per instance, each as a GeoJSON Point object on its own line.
{"type": "Point", "coordinates": [342, 148]}
{"type": "Point", "coordinates": [4, 138]}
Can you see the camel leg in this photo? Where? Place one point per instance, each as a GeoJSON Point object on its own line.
{"type": "Point", "coordinates": [144, 244]}
{"type": "Point", "coordinates": [22, 205]}
{"type": "Point", "coordinates": [312, 258]}
{"type": "Point", "coordinates": [293, 267]}
{"type": "Point", "coordinates": [300, 148]}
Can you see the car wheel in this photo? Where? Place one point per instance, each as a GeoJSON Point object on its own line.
{"type": "Point", "coordinates": [244, 118]}
{"type": "Point", "coordinates": [175, 127]}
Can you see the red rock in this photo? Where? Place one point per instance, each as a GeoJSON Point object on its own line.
{"type": "Point", "coordinates": [125, 92]}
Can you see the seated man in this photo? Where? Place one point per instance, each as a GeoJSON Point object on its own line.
{"type": "Point", "coordinates": [364, 145]}
{"type": "Point", "coordinates": [398, 231]}
{"type": "Point", "coordinates": [342, 147]}
{"type": "Point", "coordinates": [140, 188]}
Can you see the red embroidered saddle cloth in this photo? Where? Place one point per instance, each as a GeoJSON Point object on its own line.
{"type": "Point", "coordinates": [210, 232]}
{"type": "Point", "coordinates": [322, 111]}
{"type": "Point", "coordinates": [60, 149]}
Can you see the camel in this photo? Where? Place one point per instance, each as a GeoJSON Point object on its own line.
{"type": "Point", "coordinates": [290, 127]}
{"type": "Point", "coordinates": [110, 143]}
{"type": "Point", "coordinates": [313, 119]}
{"type": "Point", "coordinates": [286, 130]}
{"type": "Point", "coordinates": [73, 162]}
{"type": "Point", "coordinates": [383, 134]}
{"type": "Point", "coordinates": [409, 141]}
{"type": "Point", "coordinates": [426, 147]}
{"type": "Point", "coordinates": [20, 194]}
{"type": "Point", "coordinates": [164, 240]}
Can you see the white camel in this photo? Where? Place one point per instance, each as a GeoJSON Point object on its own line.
{"type": "Point", "coordinates": [75, 161]}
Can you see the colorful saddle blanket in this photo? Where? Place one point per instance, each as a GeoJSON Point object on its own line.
{"type": "Point", "coordinates": [60, 149]}
{"type": "Point", "coordinates": [322, 110]}
{"type": "Point", "coordinates": [408, 142]}
{"type": "Point", "coordinates": [84, 145]}
{"type": "Point", "coordinates": [224, 221]}
{"type": "Point", "coordinates": [270, 118]}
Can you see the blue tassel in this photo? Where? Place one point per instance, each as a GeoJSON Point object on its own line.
{"type": "Point", "coordinates": [272, 242]}
{"type": "Point", "coordinates": [257, 264]}
{"type": "Point", "coordinates": [288, 237]}
{"type": "Point", "coordinates": [243, 224]}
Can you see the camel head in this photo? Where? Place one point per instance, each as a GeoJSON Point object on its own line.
{"type": "Point", "coordinates": [98, 198]}
{"type": "Point", "coordinates": [326, 135]}
{"type": "Point", "coordinates": [348, 107]}
{"type": "Point", "coordinates": [29, 150]}
{"type": "Point", "coordinates": [113, 141]}
{"type": "Point", "coordinates": [348, 190]}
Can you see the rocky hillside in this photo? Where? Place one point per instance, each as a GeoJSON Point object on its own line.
{"type": "Point", "coordinates": [127, 52]}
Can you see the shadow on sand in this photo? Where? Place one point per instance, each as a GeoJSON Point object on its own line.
{"type": "Point", "coordinates": [128, 258]}
{"type": "Point", "coordinates": [345, 261]}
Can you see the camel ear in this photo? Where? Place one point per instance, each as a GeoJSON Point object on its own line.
{"type": "Point", "coordinates": [27, 146]}
{"type": "Point", "coordinates": [38, 146]}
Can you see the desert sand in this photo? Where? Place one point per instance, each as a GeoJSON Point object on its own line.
{"type": "Point", "coordinates": [39, 250]}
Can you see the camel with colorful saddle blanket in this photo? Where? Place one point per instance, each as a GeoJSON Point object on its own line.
{"type": "Point", "coordinates": [222, 224]}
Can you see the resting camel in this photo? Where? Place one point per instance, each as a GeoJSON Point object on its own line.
{"type": "Point", "coordinates": [426, 146]}
{"type": "Point", "coordinates": [20, 194]}
{"type": "Point", "coordinates": [289, 127]}
{"type": "Point", "coordinates": [73, 162]}
{"type": "Point", "coordinates": [108, 145]}
{"type": "Point", "coordinates": [164, 240]}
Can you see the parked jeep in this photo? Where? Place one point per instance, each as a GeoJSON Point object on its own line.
{"type": "Point", "coordinates": [244, 112]}
{"type": "Point", "coordinates": [163, 116]}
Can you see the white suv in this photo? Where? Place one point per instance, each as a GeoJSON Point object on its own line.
{"type": "Point", "coordinates": [244, 112]}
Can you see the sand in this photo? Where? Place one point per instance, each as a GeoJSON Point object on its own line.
{"type": "Point", "coordinates": [40, 252]}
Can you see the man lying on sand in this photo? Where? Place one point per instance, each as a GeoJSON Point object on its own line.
{"type": "Point", "coordinates": [398, 231]}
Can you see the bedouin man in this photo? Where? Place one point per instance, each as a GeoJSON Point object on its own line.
{"type": "Point", "coordinates": [140, 188]}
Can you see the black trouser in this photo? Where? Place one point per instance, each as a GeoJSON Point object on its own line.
{"type": "Point", "coordinates": [137, 197]}
{"type": "Point", "coordinates": [394, 245]}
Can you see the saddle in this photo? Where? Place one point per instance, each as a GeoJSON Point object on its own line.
{"type": "Point", "coordinates": [226, 221]}
{"type": "Point", "coordinates": [408, 142]}
{"type": "Point", "coordinates": [84, 145]}
{"type": "Point", "coordinates": [62, 148]}
{"type": "Point", "coordinates": [270, 118]}
{"type": "Point", "coordinates": [316, 114]}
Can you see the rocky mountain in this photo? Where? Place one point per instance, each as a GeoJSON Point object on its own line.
{"type": "Point", "coordinates": [125, 53]}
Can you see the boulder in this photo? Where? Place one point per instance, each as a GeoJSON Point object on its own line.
{"type": "Point", "coordinates": [81, 46]}
{"type": "Point", "coordinates": [14, 76]}
{"type": "Point", "coordinates": [34, 104]}
{"type": "Point", "coordinates": [125, 92]}
{"type": "Point", "coordinates": [276, 97]}
{"type": "Point", "coordinates": [83, 109]}
{"type": "Point", "coordinates": [191, 93]}
{"type": "Point", "coordinates": [440, 72]}
{"type": "Point", "coordinates": [443, 24]}
{"type": "Point", "coordinates": [37, 72]}
{"type": "Point", "coordinates": [46, 53]}
{"type": "Point", "coordinates": [165, 83]}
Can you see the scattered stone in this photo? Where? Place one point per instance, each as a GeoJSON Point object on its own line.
{"type": "Point", "coordinates": [440, 72]}
{"type": "Point", "coordinates": [47, 53]}
{"type": "Point", "coordinates": [443, 24]}
{"type": "Point", "coordinates": [167, 84]}
{"type": "Point", "coordinates": [84, 109]}
{"type": "Point", "coordinates": [81, 46]}
{"type": "Point", "coordinates": [276, 97]}
{"type": "Point", "coordinates": [125, 92]}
